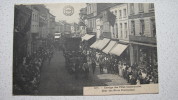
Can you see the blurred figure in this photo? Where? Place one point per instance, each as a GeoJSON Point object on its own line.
{"type": "Point", "coordinates": [93, 66]}
{"type": "Point", "coordinates": [86, 69]}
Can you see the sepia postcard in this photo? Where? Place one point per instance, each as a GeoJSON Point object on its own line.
{"type": "Point", "coordinates": [67, 49]}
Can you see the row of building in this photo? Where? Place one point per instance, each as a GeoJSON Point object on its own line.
{"type": "Point", "coordinates": [76, 28]}
{"type": "Point", "coordinates": [129, 24]}
{"type": "Point", "coordinates": [33, 25]}
{"type": "Point", "coordinates": [67, 28]}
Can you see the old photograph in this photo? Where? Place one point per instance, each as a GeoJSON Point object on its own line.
{"type": "Point", "coordinates": [61, 48]}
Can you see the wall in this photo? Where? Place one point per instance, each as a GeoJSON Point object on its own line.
{"type": "Point", "coordinates": [124, 35]}
{"type": "Point", "coordinates": [137, 16]}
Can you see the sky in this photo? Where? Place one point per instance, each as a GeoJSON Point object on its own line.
{"type": "Point", "coordinates": [57, 10]}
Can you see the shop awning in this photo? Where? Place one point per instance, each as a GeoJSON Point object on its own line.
{"type": "Point", "coordinates": [102, 44]}
{"type": "Point", "coordinates": [87, 37]}
{"type": "Point", "coordinates": [118, 49]}
{"type": "Point", "coordinates": [109, 47]}
{"type": "Point", "coordinates": [94, 44]}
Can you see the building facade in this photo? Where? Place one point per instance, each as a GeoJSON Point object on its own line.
{"type": "Point", "coordinates": [119, 31]}
{"type": "Point", "coordinates": [59, 28]}
{"type": "Point", "coordinates": [22, 27]}
{"type": "Point", "coordinates": [91, 17]}
{"type": "Point", "coordinates": [120, 28]}
{"type": "Point", "coordinates": [142, 29]}
{"type": "Point", "coordinates": [132, 25]}
{"type": "Point", "coordinates": [83, 21]}
{"type": "Point", "coordinates": [52, 24]}
{"type": "Point", "coordinates": [35, 33]}
{"type": "Point", "coordinates": [93, 10]}
{"type": "Point", "coordinates": [74, 27]}
{"type": "Point", "coordinates": [103, 25]}
{"type": "Point", "coordinates": [62, 27]}
{"type": "Point", "coordinates": [98, 20]}
{"type": "Point", "coordinates": [43, 20]}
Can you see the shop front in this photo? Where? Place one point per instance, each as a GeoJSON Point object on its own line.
{"type": "Point", "coordinates": [145, 55]}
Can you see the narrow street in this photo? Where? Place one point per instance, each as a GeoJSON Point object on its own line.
{"type": "Point", "coordinates": [55, 79]}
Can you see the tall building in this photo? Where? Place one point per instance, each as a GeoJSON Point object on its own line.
{"type": "Point", "coordinates": [52, 24]}
{"type": "Point", "coordinates": [93, 9]}
{"type": "Point", "coordinates": [142, 29]}
{"type": "Point", "coordinates": [82, 21]}
{"type": "Point", "coordinates": [35, 33]}
{"type": "Point", "coordinates": [22, 27]}
{"type": "Point", "coordinates": [43, 20]}
{"type": "Point", "coordinates": [105, 19]}
{"type": "Point", "coordinates": [120, 28]}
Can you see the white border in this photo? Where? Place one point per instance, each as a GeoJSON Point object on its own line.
{"type": "Point", "coordinates": [167, 34]}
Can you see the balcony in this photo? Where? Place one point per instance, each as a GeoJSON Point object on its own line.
{"type": "Point", "coordinates": [143, 39]}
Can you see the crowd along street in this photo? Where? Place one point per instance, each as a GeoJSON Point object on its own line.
{"type": "Point", "coordinates": [110, 44]}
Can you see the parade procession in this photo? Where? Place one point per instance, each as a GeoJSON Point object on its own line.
{"type": "Point", "coordinates": [58, 51]}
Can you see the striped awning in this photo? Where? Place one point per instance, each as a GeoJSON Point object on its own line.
{"type": "Point", "coordinates": [118, 49]}
{"type": "Point", "coordinates": [94, 44]}
{"type": "Point", "coordinates": [109, 47]}
{"type": "Point", "coordinates": [87, 37]}
{"type": "Point", "coordinates": [103, 44]}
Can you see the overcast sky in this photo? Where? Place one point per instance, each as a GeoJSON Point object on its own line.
{"type": "Point", "coordinates": [57, 10]}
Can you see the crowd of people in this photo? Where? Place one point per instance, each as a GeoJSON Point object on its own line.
{"type": "Point", "coordinates": [77, 63]}
{"type": "Point", "coordinates": [27, 74]}
{"type": "Point", "coordinates": [135, 74]}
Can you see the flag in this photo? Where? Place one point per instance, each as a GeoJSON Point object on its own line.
{"type": "Point", "coordinates": [111, 18]}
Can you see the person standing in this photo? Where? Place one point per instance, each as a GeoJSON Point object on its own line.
{"type": "Point", "coordinates": [86, 69]}
{"type": "Point", "coordinates": [101, 66]}
{"type": "Point", "coordinates": [76, 69]}
{"type": "Point", "coordinates": [49, 57]}
{"type": "Point", "coordinates": [93, 66]}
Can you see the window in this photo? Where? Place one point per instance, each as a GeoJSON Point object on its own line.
{"type": "Point", "coordinates": [120, 14]}
{"type": "Point", "coordinates": [113, 31]}
{"type": "Point", "coordinates": [33, 17]}
{"type": "Point", "coordinates": [90, 23]}
{"type": "Point", "coordinates": [140, 5]}
{"type": "Point", "coordinates": [125, 30]}
{"type": "Point", "coordinates": [116, 12]}
{"type": "Point", "coordinates": [116, 30]}
{"type": "Point", "coordinates": [125, 13]}
{"type": "Point", "coordinates": [90, 9]}
{"type": "Point", "coordinates": [36, 17]}
{"type": "Point", "coordinates": [94, 23]}
{"type": "Point", "coordinates": [151, 6]}
{"type": "Point", "coordinates": [133, 27]}
{"type": "Point", "coordinates": [142, 27]}
{"type": "Point", "coordinates": [153, 28]}
{"type": "Point", "coordinates": [121, 29]}
{"type": "Point", "coordinates": [132, 8]}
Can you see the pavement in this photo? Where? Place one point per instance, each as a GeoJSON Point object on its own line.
{"type": "Point", "coordinates": [55, 79]}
